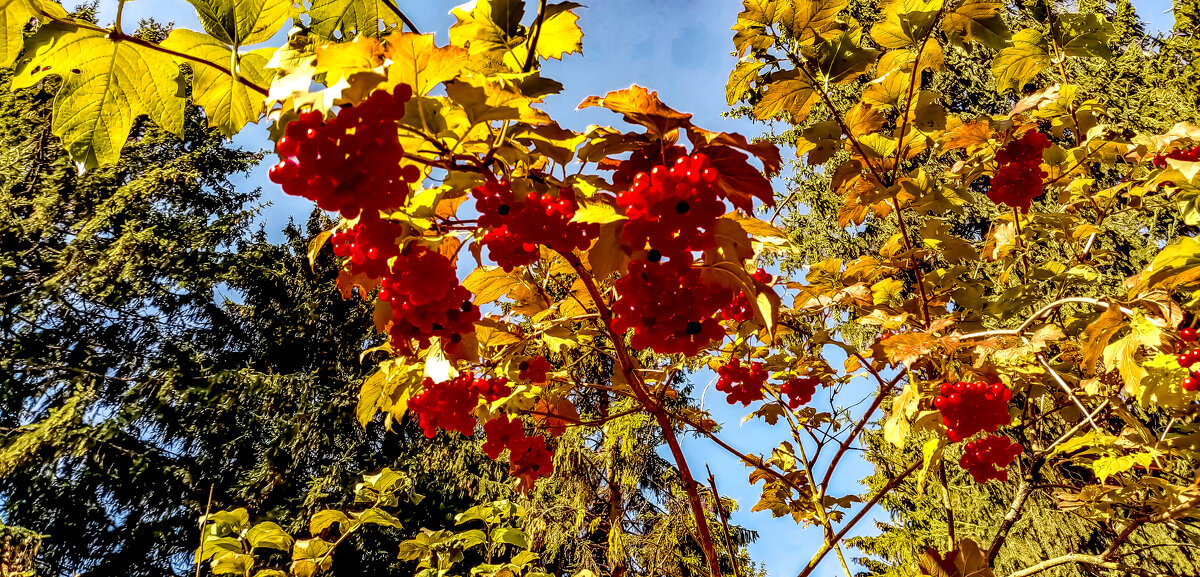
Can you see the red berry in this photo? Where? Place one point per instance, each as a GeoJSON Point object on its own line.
{"type": "Point", "coordinates": [1188, 335]}
{"type": "Point", "coordinates": [1191, 383]}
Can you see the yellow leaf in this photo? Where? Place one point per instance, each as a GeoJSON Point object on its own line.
{"type": "Point", "coordinates": [597, 213]}
{"type": "Point", "coordinates": [339, 61]}
{"type": "Point", "coordinates": [417, 62]}
{"type": "Point", "coordinates": [490, 283]}
{"type": "Point", "coordinates": [793, 97]}
{"type": "Point", "coordinates": [1020, 63]}
{"type": "Point", "coordinates": [560, 34]}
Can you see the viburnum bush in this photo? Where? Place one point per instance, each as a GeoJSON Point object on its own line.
{"type": "Point", "coordinates": [983, 335]}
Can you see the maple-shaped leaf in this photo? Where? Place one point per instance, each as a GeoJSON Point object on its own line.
{"type": "Point", "coordinates": [560, 33]}
{"type": "Point", "coordinates": [640, 106]}
{"type": "Point", "coordinates": [490, 30]}
{"type": "Point", "coordinates": [230, 102]}
{"type": "Point", "coordinates": [969, 135]}
{"type": "Point", "coordinates": [906, 22]}
{"type": "Point", "coordinates": [1020, 63]}
{"type": "Point", "coordinates": [977, 21]}
{"type": "Point", "coordinates": [341, 60]}
{"type": "Point", "coordinates": [741, 79]}
{"type": "Point", "coordinates": [751, 26]}
{"type": "Point", "coordinates": [738, 179]}
{"type": "Point", "coordinates": [805, 20]}
{"type": "Point", "coordinates": [792, 95]}
{"type": "Point", "coordinates": [15, 15]}
{"type": "Point", "coordinates": [908, 348]}
{"type": "Point", "coordinates": [417, 62]}
{"type": "Point", "coordinates": [765, 151]}
{"type": "Point", "coordinates": [244, 22]}
{"type": "Point", "coordinates": [106, 86]}
{"type": "Point", "coordinates": [349, 18]}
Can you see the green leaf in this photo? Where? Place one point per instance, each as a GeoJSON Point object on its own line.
{"type": "Point", "coordinates": [242, 22]}
{"type": "Point", "coordinates": [229, 101]}
{"type": "Point", "coordinates": [1016, 65]}
{"type": "Point", "coordinates": [269, 535]}
{"type": "Point", "coordinates": [351, 17]}
{"type": "Point", "coordinates": [106, 86]}
{"type": "Point", "coordinates": [977, 21]}
{"type": "Point", "coordinates": [237, 520]}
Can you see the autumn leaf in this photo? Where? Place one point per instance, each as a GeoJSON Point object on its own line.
{"type": "Point", "coordinates": [908, 348]}
{"type": "Point", "coordinates": [560, 33]}
{"type": "Point", "coordinates": [640, 106]}
{"type": "Point", "coordinates": [737, 179]}
{"type": "Point", "coordinates": [417, 62]}
{"type": "Point", "coordinates": [792, 97]}
{"type": "Point", "coordinates": [977, 21]}
{"type": "Point", "coordinates": [1020, 63]}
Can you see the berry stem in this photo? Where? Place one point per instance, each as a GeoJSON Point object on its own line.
{"type": "Point", "coordinates": [628, 364]}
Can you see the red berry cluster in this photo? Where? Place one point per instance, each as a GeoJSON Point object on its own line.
{"type": "Point", "coordinates": [669, 307]}
{"type": "Point", "coordinates": [739, 310]}
{"type": "Point", "coordinates": [742, 383]}
{"type": "Point", "coordinates": [989, 457]}
{"type": "Point", "coordinates": [673, 210]}
{"type": "Point", "coordinates": [968, 408]}
{"type": "Point", "coordinates": [517, 228]}
{"type": "Point", "coordinates": [427, 300]}
{"type": "Point", "coordinates": [368, 244]}
{"type": "Point", "coordinates": [799, 390]}
{"type": "Point", "coordinates": [350, 163]}
{"type": "Point", "coordinates": [1018, 179]}
{"type": "Point", "coordinates": [448, 405]}
{"type": "Point", "coordinates": [534, 370]}
{"type": "Point", "coordinates": [1189, 358]}
{"type": "Point", "coordinates": [1187, 154]}
{"type": "Point", "coordinates": [528, 457]}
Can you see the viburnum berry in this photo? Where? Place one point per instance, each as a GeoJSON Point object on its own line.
{"type": "Point", "coordinates": [742, 383]}
{"type": "Point", "coordinates": [673, 210]}
{"type": "Point", "coordinates": [739, 310]}
{"type": "Point", "coordinates": [500, 433]}
{"type": "Point", "coordinates": [368, 244]}
{"type": "Point", "coordinates": [351, 162]}
{"type": "Point", "coordinates": [529, 459]}
{"type": "Point", "coordinates": [989, 457]}
{"type": "Point", "coordinates": [515, 229]}
{"type": "Point", "coordinates": [427, 300]}
{"type": "Point", "coordinates": [1018, 178]}
{"type": "Point", "coordinates": [534, 370]}
{"type": "Point", "coordinates": [448, 405]}
{"type": "Point", "coordinates": [669, 307]}
{"type": "Point", "coordinates": [1188, 359]}
{"type": "Point", "coordinates": [969, 408]}
{"type": "Point", "coordinates": [1186, 154]}
{"type": "Point", "coordinates": [799, 390]}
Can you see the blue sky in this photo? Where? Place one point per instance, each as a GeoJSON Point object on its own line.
{"type": "Point", "coordinates": [680, 48]}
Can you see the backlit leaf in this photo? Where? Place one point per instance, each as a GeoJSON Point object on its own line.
{"type": "Point", "coordinates": [15, 15]}
{"type": "Point", "coordinates": [106, 86]}
{"type": "Point", "coordinates": [793, 97]}
{"type": "Point", "coordinates": [1020, 63]}
{"type": "Point", "coordinates": [229, 102]}
{"type": "Point", "coordinates": [807, 19]}
{"type": "Point", "coordinates": [560, 34]}
{"type": "Point", "coordinates": [640, 106]}
{"type": "Point", "coordinates": [417, 62]}
{"type": "Point", "coordinates": [242, 22]}
{"type": "Point", "coordinates": [350, 18]}
{"type": "Point", "coordinates": [977, 21]}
